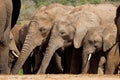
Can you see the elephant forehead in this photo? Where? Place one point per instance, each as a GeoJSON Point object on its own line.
{"type": "Point", "coordinates": [64, 21]}
{"type": "Point", "coordinates": [92, 34]}
{"type": "Point", "coordinates": [45, 24]}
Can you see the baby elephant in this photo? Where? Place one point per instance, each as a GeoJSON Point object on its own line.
{"type": "Point", "coordinates": [13, 51]}
{"type": "Point", "coordinates": [100, 41]}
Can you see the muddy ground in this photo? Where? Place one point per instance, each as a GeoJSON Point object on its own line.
{"type": "Point", "coordinates": [59, 77]}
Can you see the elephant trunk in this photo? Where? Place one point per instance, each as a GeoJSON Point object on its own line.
{"type": "Point", "coordinates": [86, 62]}
{"type": "Point", "coordinates": [28, 46]}
{"type": "Point", "coordinates": [54, 44]}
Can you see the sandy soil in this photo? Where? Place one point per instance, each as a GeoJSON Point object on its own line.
{"type": "Point", "coordinates": [59, 77]}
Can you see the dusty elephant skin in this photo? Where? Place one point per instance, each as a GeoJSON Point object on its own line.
{"type": "Point", "coordinates": [39, 29]}
{"type": "Point", "coordinates": [6, 12]}
{"type": "Point", "coordinates": [72, 28]}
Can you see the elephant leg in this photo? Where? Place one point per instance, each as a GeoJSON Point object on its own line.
{"type": "Point", "coordinates": [4, 60]}
{"type": "Point", "coordinates": [27, 67]}
{"type": "Point", "coordinates": [76, 62]}
{"type": "Point", "coordinates": [101, 65]}
{"type": "Point", "coordinates": [68, 56]}
{"type": "Point", "coordinates": [5, 22]}
{"type": "Point", "coordinates": [64, 63]}
{"type": "Point", "coordinates": [38, 60]}
{"type": "Point", "coordinates": [112, 60]}
{"type": "Point", "coordinates": [4, 53]}
{"type": "Point", "coordinates": [85, 63]}
{"type": "Point", "coordinates": [110, 67]}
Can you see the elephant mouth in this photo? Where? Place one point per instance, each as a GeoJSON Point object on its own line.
{"type": "Point", "coordinates": [67, 43]}
{"type": "Point", "coordinates": [14, 53]}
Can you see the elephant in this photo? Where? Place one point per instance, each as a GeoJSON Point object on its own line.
{"type": "Point", "coordinates": [32, 64]}
{"type": "Point", "coordinates": [19, 33]}
{"type": "Point", "coordinates": [113, 60]}
{"type": "Point", "coordinates": [100, 41]}
{"type": "Point", "coordinates": [13, 51]}
{"type": "Point", "coordinates": [73, 26]}
{"type": "Point", "coordinates": [39, 30]}
{"type": "Point", "coordinates": [8, 9]}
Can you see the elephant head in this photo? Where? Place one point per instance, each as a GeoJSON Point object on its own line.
{"type": "Point", "coordinates": [13, 47]}
{"type": "Point", "coordinates": [39, 30]}
{"type": "Point", "coordinates": [97, 39]}
{"type": "Point", "coordinates": [74, 26]}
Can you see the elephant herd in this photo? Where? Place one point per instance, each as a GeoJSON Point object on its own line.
{"type": "Point", "coordinates": [62, 39]}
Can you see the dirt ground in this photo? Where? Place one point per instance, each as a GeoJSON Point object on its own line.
{"type": "Point", "coordinates": [59, 77]}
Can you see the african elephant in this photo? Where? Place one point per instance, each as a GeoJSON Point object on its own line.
{"type": "Point", "coordinates": [8, 9]}
{"type": "Point", "coordinates": [13, 51]}
{"type": "Point", "coordinates": [19, 33]}
{"type": "Point", "coordinates": [39, 30]}
{"type": "Point", "coordinates": [72, 28]}
{"type": "Point", "coordinates": [32, 64]}
{"type": "Point", "coordinates": [99, 42]}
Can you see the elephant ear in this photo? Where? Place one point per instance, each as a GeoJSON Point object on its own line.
{"type": "Point", "coordinates": [85, 20]}
{"type": "Point", "coordinates": [79, 35]}
{"type": "Point", "coordinates": [109, 36]}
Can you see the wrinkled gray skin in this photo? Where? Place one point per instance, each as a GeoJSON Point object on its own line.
{"type": "Point", "coordinates": [19, 33]}
{"type": "Point", "coordinates": [7, 8]}
{"type": "Point", "coordinates": [72, 29]}
{"type": "Point", "coordinates": [39, 30]}
{"type": "Point", "coordinates": [97, 42]}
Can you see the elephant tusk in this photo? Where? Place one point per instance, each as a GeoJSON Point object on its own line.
{"type": "Point", "coordinates": [89, 56]}
{"type": "Point", "coordinates": [13, 52]}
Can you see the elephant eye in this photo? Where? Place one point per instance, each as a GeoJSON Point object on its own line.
{"type": "Point", "coordinates": [97, 44]}
{"type": "Point", "coordinates": [91, 42]}
{"type": "Point", "coordinates": [10, 39]}
{"type": "Point", "coordinates": [42, 30]}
